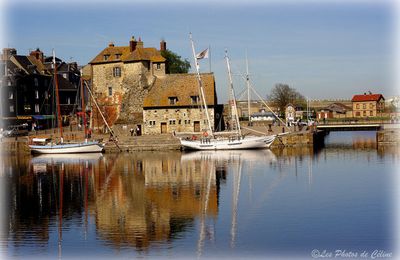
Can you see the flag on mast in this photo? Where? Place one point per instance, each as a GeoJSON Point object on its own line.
{"type": "Point", "coordinates": [202, 55]}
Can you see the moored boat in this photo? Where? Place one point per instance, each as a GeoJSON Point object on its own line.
{"type": "Point", "coordinates": [233, 142]}
{"type": "Point", "coordinates": [53, 148]}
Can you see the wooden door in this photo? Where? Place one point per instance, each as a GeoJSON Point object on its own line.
{"type": "Point", "coordinates": [163, 128]}
{"type": "Point", "coordinates": [196, 126]}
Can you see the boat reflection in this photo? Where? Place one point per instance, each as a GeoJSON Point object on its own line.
{"type": "Point", "coordinates": [135, 200]}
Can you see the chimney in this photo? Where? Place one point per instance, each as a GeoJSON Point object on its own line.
{"type": "Point", "coordinates": [139, 43]}
{"type": "Point", "coordinates": [38, 54]}
{"type": "Point", "coordinates": [132, 44]}
{"type": "Point", "coordinates": [111, 44]}
{"type": "Point", "coordinates": [163, 46]}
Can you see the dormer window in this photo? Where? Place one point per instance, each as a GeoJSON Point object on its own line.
{"type": "Point", "coordinates": [118, 56]}
{"type": "Point", "coordinates": [105, 57]}
{"type": "Point", "coordinates": [173, 100]}
{"type": "Point", "coordinates": [195, 99]}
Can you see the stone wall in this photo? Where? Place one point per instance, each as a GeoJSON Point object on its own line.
{"type": "Point", "coordinates": [294, 139]}
{"type": "Point", "coordinates": [388, 137]}
{"type": "Point", "coordinates": [177, 119]}
{"type": "Point", "coordinates": [125, 104]}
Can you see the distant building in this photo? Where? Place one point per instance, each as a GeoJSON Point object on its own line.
{"type": "Point", "coordinates": [121, 78]}
{"type": "Point", "coordinates": [368, 105]}
{"type": "Point", "coordinates": [173, 104]}
{"type": "Point", "coordinates": [334, 110]}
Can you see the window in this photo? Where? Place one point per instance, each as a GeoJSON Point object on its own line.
{"type": "Point", "coordinates": [117, 72]}
{"type": "Point", "coordinates": [68, 100]}
{"type": "Point", "coordinates": [118, 56]}
{"type": "Point", "coordinates": [46, 94]}
{"type": "Point", "coordinates": [105, 57]}
{"type": "Point", "coordinates": [65, 75]}
{"type": "Point", "coordinates": [364, 106]}
{"type": "Point", "coordinates": [37, 110]}
{"type": "Point", "coordinates": [27, 108]}
{"type": "Point", "coordinates": [194, 99]}
{"type": "Point", "coordinates": [358, 106]}
{"type": "Point", "coordinates": [9, 82]}
{"type": "Point", "coordinates": [11, 108]}
{"type": "Point", "coordinates": [172, 122]}
{"type": "Point", "coordinates": [152, 123]}
{"type": "Point", "coordinates": [371, 105]}
{"type": "Point", "coordinates": [173, 100]}
{"type": "Point", "coordinates": [110, 91]}
{"type": "Point", "coordinates": [364, 113]}
{"type": "Point", "coordinates": [158, 66]}
{"type": "Point", "coordinates": [36, 81]}
{"type": "Point", "coordinates": [371, 113]}
{"type": "Point", "coordinates": [10, 95]}
{"type": "Point", "coordinates": [37, 94]}
{"type": "Point", "coordinates": [357, 113]}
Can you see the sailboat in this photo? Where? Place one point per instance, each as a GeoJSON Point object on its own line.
{"type": "Point", "coordinates": [212, 141]}
{"type": "Point", "coordinates": [48, 146]}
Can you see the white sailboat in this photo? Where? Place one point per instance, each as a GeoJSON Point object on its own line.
{"type": "Point", "coordinates": [47, 146]}
{"type": "Point", "coordinates": [233, 142]}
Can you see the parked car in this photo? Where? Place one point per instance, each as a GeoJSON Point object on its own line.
{"type": "Point", "coordinates": [16, 130]}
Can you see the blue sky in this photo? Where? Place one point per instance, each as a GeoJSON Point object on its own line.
{"type": "Point", "coordinates": [324, 50]}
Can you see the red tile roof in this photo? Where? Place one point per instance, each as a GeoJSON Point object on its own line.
{"type": "Point", "coordinates": [367, 97]}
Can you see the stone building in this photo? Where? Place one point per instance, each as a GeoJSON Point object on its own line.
{"type": "Point", "coordinates": [368, 105]}
{"type": "Point", "coordinates": [121, 77]}
{"type": "Point", "coordinates": [173, 104]}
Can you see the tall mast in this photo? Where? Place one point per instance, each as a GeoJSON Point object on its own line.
{"type": "Point", "coordinates": [232, 93]}
{"type": "Point", "coordinates": [57, 98]}
{"type": "Point", "coordinates": [201, 86]}
{"type": "Point", "coordinates": [83, 106]}
{"type": "Point", "coordinates": [248, 87]}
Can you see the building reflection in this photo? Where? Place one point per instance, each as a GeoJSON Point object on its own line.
{"type": "Point", "coordinates": [146, 198]}
{"type": "Point", "coordinates": [135, 199]}
{"type": "Point", "coordinates": [138, 200]}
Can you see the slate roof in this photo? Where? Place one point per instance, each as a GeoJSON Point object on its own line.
{"type": "Point", "coordinates": [367, 97]}
{"type": "Point", "coordinates": [182, 86]}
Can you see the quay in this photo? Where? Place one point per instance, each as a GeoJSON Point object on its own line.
{"type": "Point", "coordinates": [128, 143]}
{"type": "Point", "coordinates": [387, 134]}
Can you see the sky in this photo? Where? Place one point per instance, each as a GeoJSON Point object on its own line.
{"type": "Point", "coordinates": [323, 49]}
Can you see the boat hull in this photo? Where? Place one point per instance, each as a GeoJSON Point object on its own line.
{"type": "Point", "coordinates": [90, 147]}
{"type": "Point", "coordinates": [253, 142]}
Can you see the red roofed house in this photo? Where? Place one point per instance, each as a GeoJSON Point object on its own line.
{"type": "Point", "coordinates": [368, 105]}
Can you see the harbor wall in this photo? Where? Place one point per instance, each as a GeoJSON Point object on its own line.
{"type": "Point", "coordinates": [167, 142]}
{"type": "Point", "coordinates": [388, 137]}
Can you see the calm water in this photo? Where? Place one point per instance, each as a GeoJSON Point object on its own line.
{"type": "Point", "coordinates": [263, 203]}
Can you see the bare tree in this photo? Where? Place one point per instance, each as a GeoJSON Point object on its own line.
{"type": "Point", "coordinates": [282, 95]}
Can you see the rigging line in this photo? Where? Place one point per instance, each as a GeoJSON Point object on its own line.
{"type": "Point", "coordinates": [262, 100]}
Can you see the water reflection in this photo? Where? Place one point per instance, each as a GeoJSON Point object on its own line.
{"type": "Point", "coordinates": [157, 200]}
